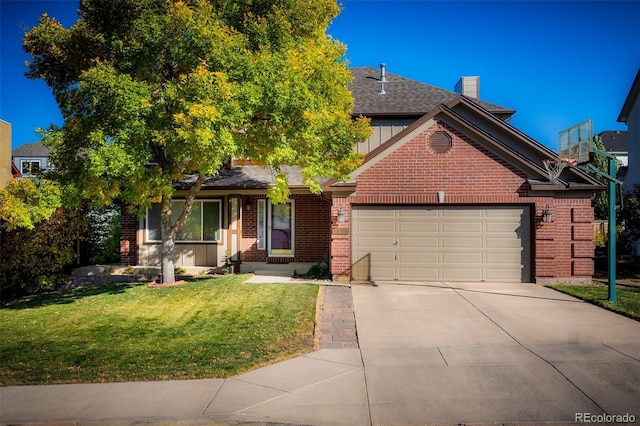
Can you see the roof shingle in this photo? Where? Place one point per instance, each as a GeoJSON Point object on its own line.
{"type": "Point", "coordinates": [403, 96]}
{"type": "Point", "coordinates": [615, 140]}
{"type": "Point", "coordinates": [34, 149]}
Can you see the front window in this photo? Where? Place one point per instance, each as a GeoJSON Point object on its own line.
{"type": "Point", "coordinates": [202, 225]}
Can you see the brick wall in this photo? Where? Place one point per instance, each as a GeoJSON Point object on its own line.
{"type": "Point", "coordinates": [470, 174]}
{"type": "Point", "coordinates": [128, 242]}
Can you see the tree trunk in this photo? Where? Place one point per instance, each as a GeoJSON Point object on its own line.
{"type": "Point", "coordinates": [168, 241]}
{"type": "Point", "coordinates": [170, 231]}
{"type": "Point", "coordinates": [168, 254]}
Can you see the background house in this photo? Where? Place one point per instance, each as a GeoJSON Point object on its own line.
{"type": "Point", "coordinates": [31, 157]}
{"type": "Point", "coordinates": [630, 114]}
{"type": "Point", "coordinates": [615, 142]}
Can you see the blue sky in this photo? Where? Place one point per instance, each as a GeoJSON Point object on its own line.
{"type": "Point", "coordinates": [557, 63]}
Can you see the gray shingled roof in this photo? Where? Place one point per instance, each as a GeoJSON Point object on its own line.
{"type": "Point", "coordinates": [34, 149]}
{"type": "Point", "coordinates": [615, 140]}
{"type": "Point", "coordinates": [248, 177]}
{"type": "Point", "coordinates": [403, 95]}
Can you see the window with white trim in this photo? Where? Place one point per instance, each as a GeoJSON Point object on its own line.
{"type": "Point", "coordinates": [28, 167]}
{"type": "Point", "coordinates": [202, 225]}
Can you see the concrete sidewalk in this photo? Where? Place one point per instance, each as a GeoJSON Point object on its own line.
{"type": "Point", "coordinates": [429, 353]}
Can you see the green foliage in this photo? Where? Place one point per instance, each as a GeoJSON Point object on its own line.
{"type": "Point", "coordinates": [630, 214]}
{"type": "Point", "coordinates": [103, 237]}
{"type": "Point", "coordinates": [34, 260]}
{"type": "Point", "coordinates": [154, 91]}
{"type": "Point", "coordinates": [319, 271]}
{"type": "Point", "coordinates": [25, 202]}
{"type": "Point", "coordinates": [601, 200]}
{"type": "Point", "coordinates": [129, 332]}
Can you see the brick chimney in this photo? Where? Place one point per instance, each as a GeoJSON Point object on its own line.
{"type": "Point", "coordinates": [469, 86]}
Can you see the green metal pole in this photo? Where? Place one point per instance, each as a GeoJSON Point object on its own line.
{"type": "Point", "coordinates": [612, 231]}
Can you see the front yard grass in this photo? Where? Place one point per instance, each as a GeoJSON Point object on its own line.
{"type": "Point", "coordinates": [129, 332]}
{"type": "Point", "coordinates": [628, 298]}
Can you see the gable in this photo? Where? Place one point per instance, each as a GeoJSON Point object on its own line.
{"type": "Point", "coordinates": [497, 140]}
{"type": "Point", "coordinates": [425, 165]}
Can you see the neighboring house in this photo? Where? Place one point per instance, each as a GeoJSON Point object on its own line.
{"type": "Point", "coordinates": [630, 114]}
{"type": "Point", "coordinates": [30, 158]}
{"type": "Point", "coordinates": [448, 191]}
{"type": "Point", "coordinates": [615, 142]}
{"type": "Point", "coordinates": [6, 170]}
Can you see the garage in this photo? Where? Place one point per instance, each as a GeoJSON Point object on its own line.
{"type": "Point", "coordinates": [434, 243]}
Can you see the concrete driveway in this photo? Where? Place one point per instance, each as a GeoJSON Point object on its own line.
{"type": "Point", "coordinates": [482, 352]}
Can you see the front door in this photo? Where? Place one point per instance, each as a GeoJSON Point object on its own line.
{"type": "Point", "coordinates": [281, 224]}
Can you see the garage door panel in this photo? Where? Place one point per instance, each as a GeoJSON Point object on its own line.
{"type": "Point", "coordinates": [462, 274]}
{"type": "Point", "coordinates": [417, 226]}
{"type": "Point", "coordinates": [377, 226]}
{"type": "Point", "coordinates": [503, 243]}
{"type": "Point", "coordinates": [419, 273]}
{"type": "Point", "coordinates": [418, 242]}
{"type": "Point", "coordinates": [504, 258]}
{"type": "Point", "coordinates": [456, 258]}
{"type": "Point", "coordinates": [382, 273]}
{"type": "Point", "coordinates": [377, 257]}
{"type": "Point", "coordinates": [382, 242]}
{"type": "Point", "coordinates": [461, 242]}
{"type": "Point", "coordinates": [461, 212]}
{"type": "Point", "coordinates": [503, 275]}
{"type": "Point", "coordinates": [445, 243]}
{"type": "Point", "coordinates": [465, 227]}
{"type": "Point", "coordinates": [406, 258]}
{"type": "Point", "coordinates": [419, 212]}
{"type": "Point", "coordinates": [374, 212]}
{"type": "Point", "coordinates": [506, 227]}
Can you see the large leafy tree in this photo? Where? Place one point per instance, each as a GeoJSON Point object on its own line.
{"type": "Point", "coordinates": [157, 91]}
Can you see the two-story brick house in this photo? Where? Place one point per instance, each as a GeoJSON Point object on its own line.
{"type": "Point", "coordinates": [448, 191]}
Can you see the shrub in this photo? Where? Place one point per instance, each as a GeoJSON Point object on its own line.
{"type": "Point", "coordinates": [35, 260]}
{"type": "Point", "coordinates": [630, 217]}
{"type": "Point", "coordinates": [103, 238]}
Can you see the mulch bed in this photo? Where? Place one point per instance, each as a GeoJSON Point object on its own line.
{"type": "Point", "coordinates": [157, 285]}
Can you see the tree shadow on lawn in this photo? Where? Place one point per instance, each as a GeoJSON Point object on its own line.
{"type": "Point", "coordinates": [64, 297]}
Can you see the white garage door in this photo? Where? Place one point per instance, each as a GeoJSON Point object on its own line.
{"type": "Point", "coordinates": [441, 244]}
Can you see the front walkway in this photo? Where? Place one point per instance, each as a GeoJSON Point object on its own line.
{"type": "Point", "coordinates": [338, 323]}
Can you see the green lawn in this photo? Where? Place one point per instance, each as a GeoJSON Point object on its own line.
{"type": "Point", "coordinates": [628, 298]}
{"type": "Point", "coordinates": [129, 332]}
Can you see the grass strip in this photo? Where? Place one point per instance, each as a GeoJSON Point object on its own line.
{"type": "Point", "coordinates": [628, 298]}
{"type": "Point", "coordinates": [129, 332]}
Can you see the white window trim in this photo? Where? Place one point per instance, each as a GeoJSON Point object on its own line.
{"type": "Point", "coordinates": [219, 240]}
{"type": "Point", "coordinates": [261, 228]}
{"type": "Point", "coordinates": [31, 162]}
{"type": "Point", "coordinates": [293, 230]}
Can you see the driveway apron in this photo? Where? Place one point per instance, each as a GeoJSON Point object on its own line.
{"type": "Point", "coordinates": [493, 353]}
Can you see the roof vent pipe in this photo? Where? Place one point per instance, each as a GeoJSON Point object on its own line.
{"type": "Point", "coordinates": [383, 78]}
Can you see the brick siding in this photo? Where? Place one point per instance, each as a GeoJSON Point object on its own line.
{"type": "Point", "coordinates": [128, 242]}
